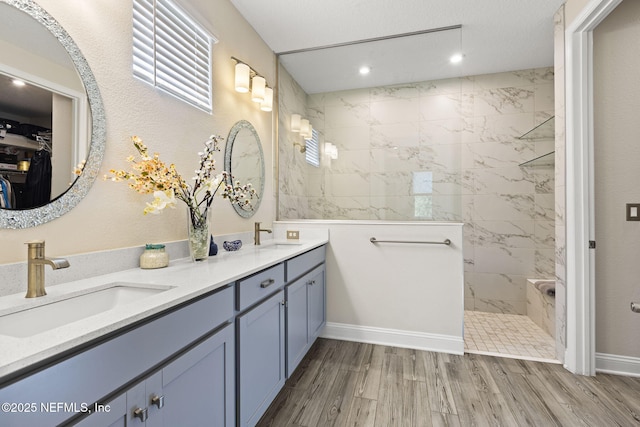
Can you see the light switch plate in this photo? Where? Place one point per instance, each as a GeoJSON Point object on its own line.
{"type": "Point", "coordinates": [633, 211]}
{"type": "Point", "coordinates": [293, 234]}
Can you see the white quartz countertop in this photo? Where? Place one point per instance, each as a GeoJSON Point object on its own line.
{"type": "Point", "coordinates": [187, 279]}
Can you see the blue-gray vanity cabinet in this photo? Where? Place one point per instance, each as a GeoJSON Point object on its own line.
{"type": "Point", "coordinates": [305, 314]}
{"type": "Point", "coordinates": [261, 370]}
{"type": "Point", "coordinates": [108, 366]}
{"type": "Point", "coordinates": [112, 414]}
{"type": "Point", "coordinates": [196, 389]}
{"type": "Point", "coordinates": [199, 387]}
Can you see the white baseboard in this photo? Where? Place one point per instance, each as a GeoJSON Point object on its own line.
{"type": "Point", "coordinates": [395, 338]}
{"type": "Point", "coordinates": [618, 365]}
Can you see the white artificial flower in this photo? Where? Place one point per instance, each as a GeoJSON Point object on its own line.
{"type": "Point", "coordinates": [162, 200]}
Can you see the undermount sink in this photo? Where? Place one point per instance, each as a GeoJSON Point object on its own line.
{"type": "Point", "coordinates": [280, 245]}
{"type": "Point", "coordinates": [34, 320]}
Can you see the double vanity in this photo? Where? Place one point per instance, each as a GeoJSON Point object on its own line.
{"type": "Point", "coordinates": [208, 343]}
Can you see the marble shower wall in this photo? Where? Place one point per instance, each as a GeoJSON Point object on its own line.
{"type": "Point", "coordinates": [399, 152]}
{"type": "Point", "coordinates": [508, 208]}
{"type": "Point", "coordinates": [445, 150]}
{"type": "Point", "coordinates": [292, 167]}
{"type": "Point", "coordinates": [560, 190]}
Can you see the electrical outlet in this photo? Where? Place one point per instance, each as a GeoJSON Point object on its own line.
{"type": "Point", "coordinates": [293, 234]}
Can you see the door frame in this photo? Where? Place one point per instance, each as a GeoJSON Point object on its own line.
{"type": "Point", "coordinates": [580, 262]}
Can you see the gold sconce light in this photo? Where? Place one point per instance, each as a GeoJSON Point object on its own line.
{"type": "Point", "coordinates": [247, 78]}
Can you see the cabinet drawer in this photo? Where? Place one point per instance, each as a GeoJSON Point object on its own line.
{"type": "Point", "coordinates": [305, 262]}
{"type": "Point", "coordinates": [259, 286]}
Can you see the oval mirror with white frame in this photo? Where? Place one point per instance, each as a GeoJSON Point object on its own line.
{"type": "Point", "coordinates": [244, 160]}
{"type": "Point", "coordinates": [51, 123]}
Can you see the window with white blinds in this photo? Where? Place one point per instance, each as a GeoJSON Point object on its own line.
{"type": "Point", "coordinates": [172, 52]}
{"type": "Point", "coordinates": [313, 149]}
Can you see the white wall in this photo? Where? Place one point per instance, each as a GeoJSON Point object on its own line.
{"type": "Point", "coordinates": [616, 62]}
{"type": "Point", "coordinates": [573, 9]}
{"type": "Point", "coordinates": [111, 214]}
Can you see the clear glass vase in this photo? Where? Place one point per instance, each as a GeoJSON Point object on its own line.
{"type": "Point", "coordinates": [199, 236]}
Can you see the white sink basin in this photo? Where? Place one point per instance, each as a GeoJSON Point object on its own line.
{"type": "Point", "coordinates": [51, 315]}
{"type": "Point", "coordinates": [280, 245]}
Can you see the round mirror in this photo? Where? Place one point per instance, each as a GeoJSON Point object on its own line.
{"type": "Point", "coordinates": [244, 160]}
{"type": "Point", "coordinates": [51, 121]}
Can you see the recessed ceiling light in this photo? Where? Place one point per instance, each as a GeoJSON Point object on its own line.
{"type": "Point", "coordinates": [456, 58]}
{"type": "Point", "coordinates": [364, 70]}
{"type": "Point", "coordinates": [18, 82]}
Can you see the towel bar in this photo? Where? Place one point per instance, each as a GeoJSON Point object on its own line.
{"type": "Point", "coordinates": [424, 242]}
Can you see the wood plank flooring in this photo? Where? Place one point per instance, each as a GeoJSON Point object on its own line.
{"type": "Point", "coordinates": [342, 383]}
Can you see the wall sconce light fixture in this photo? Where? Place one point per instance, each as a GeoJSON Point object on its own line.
{"type": "Point", "coordinates": [267, 104]}
{"type": "Point", "coordinates": [298, 124]}
{"type": "Point", "coordinates": [260, 91]}
{"type": "Point", "coordinates": [295, 122]}
{"type": "Point", "coordinates": [258, 86]}
{"type": "Point", "coordinates": [242, 77]}
{"type": "Point", "coordinates": [304, 128]}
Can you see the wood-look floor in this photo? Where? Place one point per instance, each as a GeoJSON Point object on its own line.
{"type": "Point", "coordinates": [342, 383]}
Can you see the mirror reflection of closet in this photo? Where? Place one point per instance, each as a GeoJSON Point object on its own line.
{"type": "Point", "coordinates": [54, 120]}
{"type": "Point", "coordinates": [42, 95]}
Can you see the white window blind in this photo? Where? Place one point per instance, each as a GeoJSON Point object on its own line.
{"type": "Point", "coordinates": [172, 52]}
{"type": "Point", "coordinates": [313, 149]}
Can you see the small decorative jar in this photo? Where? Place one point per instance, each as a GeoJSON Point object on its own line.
{"type": "Point", "coordinates": [154, 256]}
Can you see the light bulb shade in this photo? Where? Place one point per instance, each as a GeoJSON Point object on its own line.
{"type": "Point", "coordinates": [309, 135]}
{"type": "Point", "coordinates": [242, 77]}
{"type": "Point", "coordinates": [267, 104]}
{"type": "Point", "coordinates": [304, 128]}
{"type": "Point", "coordinates": [331, 150]}
{"type": "Point", "coordinates": [258, 85]}
{"type": "Point", "coordinates": [295, 122]}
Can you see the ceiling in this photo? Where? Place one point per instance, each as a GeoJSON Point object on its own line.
{"type": "Point", "coordinates": [496, 36]}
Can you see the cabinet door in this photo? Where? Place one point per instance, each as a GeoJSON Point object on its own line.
{"type": "Point", "coordinates": [317, 304]}
{"type": "Point", "coordinates": [261, 358]}
{"type": "Point", "coordinates": [198, 387]}
{"type": "Point", "coordinates": [112, 414]}
{"type": "Point", "coordinates": [297, 329]}
{"type": "Point", "coordinates": [140, 410]}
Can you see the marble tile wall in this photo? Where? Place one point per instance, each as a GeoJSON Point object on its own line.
{"type": "Point", "coordinates": [292, 196]}
{"type": "Point", "coordinates": [560, 187]}
{"type": "Point", "coordinates": [399, 153]}
{"type": "Point", "coordinates": [508, 208]}
{"type": "Point", "coordinates": [541, 308]}
{"type": "Point", "coordinates": [441, 150]}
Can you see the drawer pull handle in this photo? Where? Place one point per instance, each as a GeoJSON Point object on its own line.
{"type": "Point", "coordinates": [311, 282]}
{"type": "Point", "coordinates": [158, 401]}
{"type": "Point", "coordinates": [143, 414]}
{"type": "Point", "coordinates": [267, 283]}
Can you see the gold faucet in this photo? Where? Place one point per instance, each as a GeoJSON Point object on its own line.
{"type": "Point", "coordinates": [35, 264]}
{"type": "Point", "coordinates": [256, 236]}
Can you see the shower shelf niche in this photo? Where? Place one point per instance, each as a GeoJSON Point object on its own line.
{"type": "Point", "coordinates": [545, 130]}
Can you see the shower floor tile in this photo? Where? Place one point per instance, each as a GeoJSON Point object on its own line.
{"type": "Point", "coordinates": [507, 335]}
